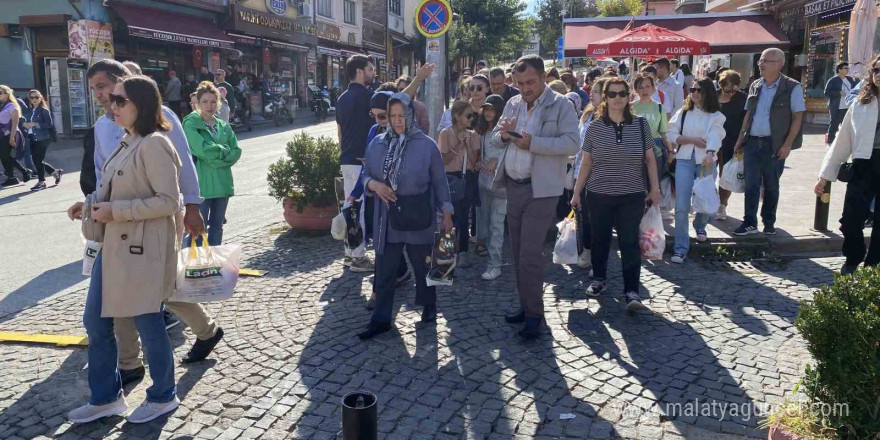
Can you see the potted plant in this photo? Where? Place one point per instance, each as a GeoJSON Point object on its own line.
{"type": "Point", "coordinates": [842, 328]}
{"type": "Point", "coordinates": [304, 182]}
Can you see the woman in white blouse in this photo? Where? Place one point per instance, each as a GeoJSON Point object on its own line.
{"type": "Point", "coordinates": [697, 129]}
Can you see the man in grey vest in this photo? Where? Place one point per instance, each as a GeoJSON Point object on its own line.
{"type": "Point", "coordinates": [774, 115]}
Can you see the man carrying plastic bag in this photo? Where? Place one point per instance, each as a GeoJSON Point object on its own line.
{"type": "Point", "coordinates": [732, 177]}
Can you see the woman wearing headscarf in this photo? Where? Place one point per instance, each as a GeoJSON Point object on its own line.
{"type": "Point", "coordinates": [404, 171]}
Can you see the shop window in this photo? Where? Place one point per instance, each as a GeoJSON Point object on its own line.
{"type": "Point", "coordinates": [350, 9]}
{"type": "Point", "coordinates": [394, 7]}
{"type": "Point", "coordinates": [325, 8]}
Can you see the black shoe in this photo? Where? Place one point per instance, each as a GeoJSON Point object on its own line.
{"type": "Point", "coordinates": [133, 375]}
{"type": "Point", "coordinates": [745, 229]}
{"type": "Point", "coordinates": [769, 230]}
{"type": "Point", "coordinates": [201, 349]}
{"type": "Point", "coordinates": [429, 314]}
{"type": "Point", "coordinates": [375, 328]}
{"type": "Point", "coordinates": [170, 320]}
{"type": "Point", "coordinates": [12, 181]}
{"type": "Point", "coordinates": [530, 330]}
{"type": "Point", "coordinates": [518, 318]}
{"type": "Point", "coordinates": [39, 186]}
{"type": "Point", "coordinates": [633, 302]}
{"type": "Point", "coordinates": [57, 175]}
{"type": "Point", "coordinates": [848, 269]}
{"type": "Point", "coordinates": [26, 177]}
{"type": "Point", "coordinates": [596, 288]}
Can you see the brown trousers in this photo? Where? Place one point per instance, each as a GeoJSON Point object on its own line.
{"type": "Point", "coordinates": [528, 220]}
{"type": "Point", "coordinates": [193, 315]}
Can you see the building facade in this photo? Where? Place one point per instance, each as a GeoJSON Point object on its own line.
{"type": "Point", "coordinates": [338, 25]}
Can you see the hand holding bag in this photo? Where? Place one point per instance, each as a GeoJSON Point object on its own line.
{"type": "Point", "coordinates": [207, 273]}
{"type": "Point", "coordinates": [92, 229]}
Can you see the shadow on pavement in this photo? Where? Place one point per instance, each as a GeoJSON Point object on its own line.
{"type": "Point", "coordinates": [44, 285]}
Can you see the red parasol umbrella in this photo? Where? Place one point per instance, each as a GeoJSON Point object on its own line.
{"type": "Point", "coordinates": [645, 41]}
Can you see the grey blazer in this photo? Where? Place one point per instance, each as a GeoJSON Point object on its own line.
{"type": "Point", "coordinates": [551, 146]}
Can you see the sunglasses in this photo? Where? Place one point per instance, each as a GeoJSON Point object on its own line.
{"type": "Point", "coordinates": [696, 90]}
{"type": "Point", "coordinates": [475, 88]}
{"type": "Point", "coordinates": [380, 116]}
{"type": "Point", "coordinates": [34, 98]}
{"type": "Point", "coordinates": [120, 101]}
{"type": "Point", "coordinates": [613, 95]}
{"type": "Point", "coordinates": [876, 70]}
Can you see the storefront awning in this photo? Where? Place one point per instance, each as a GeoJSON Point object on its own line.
{"type": "Point", "coordinates": [725, 32]}
{"type": "Point", "coordinates": [175, 28]}
{"type": "Point", "coordinates": [376, 55]}
{"type": "Point", "coordinates": [266, 42]}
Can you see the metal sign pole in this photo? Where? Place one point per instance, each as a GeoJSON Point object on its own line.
{"type": "Point", "coordinates": [435, 52]}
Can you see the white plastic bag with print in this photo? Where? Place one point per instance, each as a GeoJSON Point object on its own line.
{"type": "Point", "coordinates": [652, 236]}
{"type": "Point", "coordinates": [92, 248]}
{"type": "Point", "coordinates": [207, 273]}
{"type": "Point", "coordinates": [566, 249]}
{"type": "Point", "coordinates": [706, 200]}
{"type": "Point", "coordinates": [733, 177]}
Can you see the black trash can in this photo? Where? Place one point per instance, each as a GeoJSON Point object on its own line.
{"type": "Point", "coordinates": [360, 416]}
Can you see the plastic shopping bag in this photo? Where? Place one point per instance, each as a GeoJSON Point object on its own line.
{"type": "Point", "coordinates": [732, 177]}
{"type": "Point", "coordinates": [706, 200]}
{"type": "Point", "coordinates": [442, 262]}
{"type": "Point", "coordinates": [566, 249]}
{"type": "Point", "coordinates": [206, 273]}
{"type": "Point", "coordinates": [354, 235]}
{"type": "Point", "coordinates": [667, 200]}
{"type": "Point", "coordinates": [337, 227]}
{"type": "Point", "coordinates": [652, 236]}
{"type": "Point", "coordinates": [89, 254]}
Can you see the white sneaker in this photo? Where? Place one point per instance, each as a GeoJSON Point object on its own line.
{"type": "Point", "coordinates": [584, 259]}
{"type": "Point", "coordinates": [677, 259]}
{"type": "Point", "coordinates": [722, 213]}
{"type": "Point", "coordinates": [491, 273]}
{"type": "Point", "coordinates": [89, 412]}
{"type": "Point", "coordinates": [152, 410]}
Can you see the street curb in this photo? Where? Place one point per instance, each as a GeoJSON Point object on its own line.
{"type": "Point", "coordinates": [776, 245]}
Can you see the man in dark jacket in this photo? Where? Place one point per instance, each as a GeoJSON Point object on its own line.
{"type": "Point", "coordinates": [499, 87]}
{"type": "Point", "coordinates": [835, 89]}
{"type": "Point", "coordinates": [87, 178]}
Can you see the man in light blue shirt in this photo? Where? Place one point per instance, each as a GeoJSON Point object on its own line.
{"type": "Point", "coordinates": [761, 123]}
{"type": "Point", "coordinates": [850, 98]}
{"type": "Point", "coordinates": [102, 77]}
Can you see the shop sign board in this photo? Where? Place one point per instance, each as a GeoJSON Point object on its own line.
{"type": "Point", "coordinates": [277, 7]}
{"type": "Point", "coordinates": [328, 31]}
{"type": "Point", "coordinates": [822, 6]}
{"type": "Point", "coordinates": [254, 22]}
{"type": "Point", "coordinates": [90, 40]}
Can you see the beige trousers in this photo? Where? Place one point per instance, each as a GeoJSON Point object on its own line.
{"type": "Point", "coordinates": [193, 315]}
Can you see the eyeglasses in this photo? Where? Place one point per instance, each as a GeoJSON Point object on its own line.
{"type": "Point", "coordinates": [379, 116]}
{"type": "Point", "coordinates": [621, 94]}
{"type": "Point", "coordinates": [696, 90]}
{"type": "Point", "coordinates": [475, 88]}
{"type": "Point", "coordinates": [118, 100]}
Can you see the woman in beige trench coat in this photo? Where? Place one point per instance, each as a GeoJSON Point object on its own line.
{"type": "Point", "coordinates": [137, 265]}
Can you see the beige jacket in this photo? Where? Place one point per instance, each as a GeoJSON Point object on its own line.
{"type": "Point", "coordinates": [140, 245]}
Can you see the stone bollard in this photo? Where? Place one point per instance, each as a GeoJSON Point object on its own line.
{"type": "Point", "coordinates": [360, 416]}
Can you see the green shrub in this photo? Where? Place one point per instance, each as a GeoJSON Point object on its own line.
{"type": "Point", "coordinates": [307, 175]}
{"type": "Point", "coordinates": [842, 329]}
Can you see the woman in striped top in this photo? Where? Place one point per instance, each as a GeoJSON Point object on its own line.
{"type": "Point", "coordinates": [618, 148]}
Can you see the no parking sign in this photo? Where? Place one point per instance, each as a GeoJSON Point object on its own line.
{"type": "Point", "coordinates": [433, 18]}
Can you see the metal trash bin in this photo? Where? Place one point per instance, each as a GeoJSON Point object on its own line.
{"type": "Point", "coordinates": [360, 416]}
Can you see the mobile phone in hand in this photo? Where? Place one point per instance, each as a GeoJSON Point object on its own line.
{"type": "Point", "coordinates": [514, 134]}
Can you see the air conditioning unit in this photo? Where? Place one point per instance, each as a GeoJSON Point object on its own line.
{"type": "Point", "coordinates": [304, 9]}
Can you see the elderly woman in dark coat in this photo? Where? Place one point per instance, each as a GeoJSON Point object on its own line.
{"type": "Point", "coordinates": [404, 171]}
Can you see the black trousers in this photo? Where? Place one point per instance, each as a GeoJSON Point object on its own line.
{"type": "Point", "coordinates": [8, 160]}
{"type": "Point", "coordinates": [864, 186]}
{"type": "Point", "coordinates": [387, 265]}
{"type": "Point", "coordinates": [836, 119]}
{"type": "Point", "coordinates": [38, 154]}
{"type": "Point", "coordinates": [583, 218]}
{"type": "Point", "coordinates": [461, 217]}
{"type": "Point", "coordinates": [623, 213]}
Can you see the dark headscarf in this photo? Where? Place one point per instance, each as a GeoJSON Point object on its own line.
{"type": "Point", "coordinates": [393, 165]}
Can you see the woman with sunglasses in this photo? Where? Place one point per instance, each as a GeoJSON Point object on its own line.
{"type": "Point", "coordinates": [859, 139]}
{"type": "Point", "coordinates": [213, 143]}
{"type": "Point", "coordinates": [618, 147]}
{"type": "Point", "coordinates": [38, 123]}
{"type": "Point", "coordinates": [473, 89]}
{"type": "Point", "coordinates": [698, 129]}
{"type": "Point", "coordinates": [137, 265]}
{"type": "Point", "coordinates": [10, 137]}
{"type": "Point", "coordinates": [733, 107]}
{"type": "Point", "coordinates": [460, 148]}
{"type": "Point", "coordinates": [493, 203]}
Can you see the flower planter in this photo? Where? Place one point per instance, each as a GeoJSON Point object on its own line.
{"type": "Point", "coordinates": [780, 433]}
{"type": "Point", "coordinates": [312, 218]}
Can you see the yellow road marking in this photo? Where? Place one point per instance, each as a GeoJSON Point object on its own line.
{"type": "Point", "coordinates": [59, 340]}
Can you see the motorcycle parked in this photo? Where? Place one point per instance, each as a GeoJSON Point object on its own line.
{"type": "Point", "coordinates": [277, 109]}
{"type": "Point", "coordinates": [320, 103]}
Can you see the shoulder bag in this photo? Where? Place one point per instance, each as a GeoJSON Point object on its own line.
{"type": "Point", "coordinates": [92, 229]}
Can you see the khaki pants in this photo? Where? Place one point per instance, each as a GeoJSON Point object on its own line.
{"type": "Point", "coordinates": [193, 315]}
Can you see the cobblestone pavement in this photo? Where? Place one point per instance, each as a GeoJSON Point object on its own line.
{"type": "Point", "coordinates": [715, 336]}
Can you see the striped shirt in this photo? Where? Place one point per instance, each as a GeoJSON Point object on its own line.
{"type": "Point", "coordinates": [618, 153]}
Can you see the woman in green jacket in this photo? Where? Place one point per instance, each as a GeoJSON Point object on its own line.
{"type": "Point", "coordinates": [215, 150]}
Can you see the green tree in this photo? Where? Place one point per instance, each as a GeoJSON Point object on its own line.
{"type": "Point", "coordinates": [488, 29]}
{"type": "Point", "coordinates": [619, 8]}
{"type": "Point", "coordinates": [548, 23]}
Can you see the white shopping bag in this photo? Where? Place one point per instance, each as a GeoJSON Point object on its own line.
{"type": "Point", "coordinates": [732, 177]}
{"type": "Point", "coordinates": [667, 201]}
{"type": "Point", "coordinates": [207, 273]}
{"type": "Point", "coordinates": [706, 200]}
{"type": "Point", "coordinates": [652, 236]}
{"type": "Point", "coordinates": [89, 254]}
{"type": "Point", "coordinates": [337, 227]}
{"type": "Point", "coordinates": [566, 249]}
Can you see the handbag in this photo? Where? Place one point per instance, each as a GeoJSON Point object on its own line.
{"type": "Point", "coordinates": [457, 183]}
{"type": "Point", "coordinates": [412, 213]}
{"type": "Point", "coordinates": [92, 229]}
{"type": "Point", "coordinates": [845, 173]}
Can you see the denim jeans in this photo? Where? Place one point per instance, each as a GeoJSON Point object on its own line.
{"type": "Point", "coordinates": [761, 166]}
{"type": "Point", "coordinates": [105, 382]}
{"type": "Point", "coordinates": [686, 172]}
{"type": "Point", "coordinates": [24, 155]}
{"type": "Point", "coordinates": [214, 213]}
{"type": "Point", "coordinates": [490, 225]}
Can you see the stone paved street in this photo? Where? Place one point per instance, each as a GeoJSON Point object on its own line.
{"type": "Point", "coordinates": [717, 336]}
